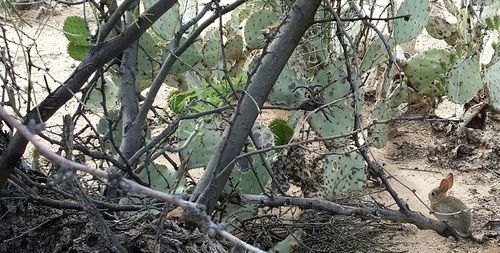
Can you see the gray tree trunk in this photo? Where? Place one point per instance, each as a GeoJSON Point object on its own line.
{"type": "Point", "coordinates": [298, 20]}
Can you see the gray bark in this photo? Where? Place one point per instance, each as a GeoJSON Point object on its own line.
{"type": "Point", "coordinates": [97, 56]}
{"type": "Point", "coordinates": [298, 20]}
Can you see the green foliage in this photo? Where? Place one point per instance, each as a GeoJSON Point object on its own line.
{"type": "Point", "coordinates": [343, 172]}
{"type": "Point", "coordinates": [282, 131]}
{"type": "Point", "coordinates": [77, 34]}
{"type": "Point", "coordinates": [426, 71]}
{"type": "Point", "coordinates": [179, 100]}
{"type": "Point", "coordinates": [408, 29]}
{"type": "Point", "coordinates": [257, 25]}
{"type": "Point", "coordinates": [464, 81]}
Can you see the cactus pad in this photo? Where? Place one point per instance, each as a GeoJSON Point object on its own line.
{"type": "Point", "coordinates": [343, 172]}
{"type": "Point", "coordinates": [492, 79]}
{"type": "Point", "coordinates": [464, 81]}
{"type": "Point", "coordinates": [408, 29]}
{"type": "Point", "coordinates": [257, 25]}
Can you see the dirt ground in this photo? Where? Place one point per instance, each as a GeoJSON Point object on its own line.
{"type": "Point", "coordinates": [406, 157]}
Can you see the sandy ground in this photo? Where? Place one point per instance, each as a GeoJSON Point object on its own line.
{"type": "Point", "coordinates": [416, 174]}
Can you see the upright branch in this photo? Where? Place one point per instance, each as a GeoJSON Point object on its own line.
{"type": "Point", "coordinates": [275, 57]}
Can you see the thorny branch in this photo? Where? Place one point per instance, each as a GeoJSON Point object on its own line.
{"type": "Point", "coordinates": [201, 217]}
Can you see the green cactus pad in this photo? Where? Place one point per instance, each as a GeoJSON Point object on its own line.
{"type": "Point", "coordinates": [406, 30]}
{"type": "Point", "coordinates": [77, 52]}
{"type": "Point", "coordinates": [75, 31]}
{"type": "Point", "coordinates": [375, 54]}
{"type": "Point", "coordinates": [161, 178]}
{"type": "Point", "coordinates": [111, 92]}
{"type": "Point", "coordinates": [282, 92]}
{"type": "Point", "coordinates": [343, 172]}
{"type": "Point", "coordinates": [257, 25]}
{"type": "Point", "coordinates": [464, 81]}
{"type": "Point", "coordinates": [492, 79]}
{"type": "Point", "coordinates": [191, 56]}
{"type": "Point", "coordinates": [380, 132]}
{"type": "Point", "coordinates": [339, 117]}
{"type": "Point", "coordinates": [439, 28]}
{"type": "Point", "coordinates": [203, 144]}
{"type": "Point", "coordinates": [282, 131]}
{"type": "Point", "coordinates": [169, 23]}
{"type": "Point", "coordinates": [426, 71]}
{"type": "Point", "coordinates": [211, 48]}
{"type": "Point", "coordinates": [148, 56]}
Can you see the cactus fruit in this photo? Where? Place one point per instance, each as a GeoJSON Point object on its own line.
{"type": "Point", "coordinates": [426, 71]}
{"type": "Point", "coordinates": [464, 81]}
{"type": "Point", "coordinates": [257, 25]}
{"type": "Point", "coordinates": [406, 29]}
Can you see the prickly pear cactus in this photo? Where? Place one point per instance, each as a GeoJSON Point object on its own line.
{"type": "Point", "coordinates": [169, 23]}
{"type": "Point", "coordinates": [190, 57]}
{"type": "Point", "coordinates": [211, 48]}
{"type": "Point", "coordinates": [162, 178]}
{"type": "Point", "coordinates": [234, 48]}
{"type": "Point", "coordinates": [111, 93]}
{"type": "Point", "coordinates": [492, 79]}
{"type": "Point", "coordinates": [379, 133]}
{"type": "Point", "coordinates": [339, 117]}
{"type": "Point", "coordinates": [76, 32]}
{"type": "Point", "coordinates": [148, 56]}
{"type": "Point", "coordinates": [343, 172]}
{"type": "Point", "coordinates": [283, 90]}
{"type": "Point", "coordinates": [202, 145]}
{"type": "Point", "coordinates": [426, 71]}
{"type": "Point", "coordinates": [464, 81]}
{"type": "Point", "coordinates": [409, 28]}
{"type": "Point", "coordinates": [257, 25]}
{"type": "Point", "coordinates": [250, 175]}
{"type": "Point", "coordinates": [439, 28]}
{"type": "Point", "coordinates": [375, 54]}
